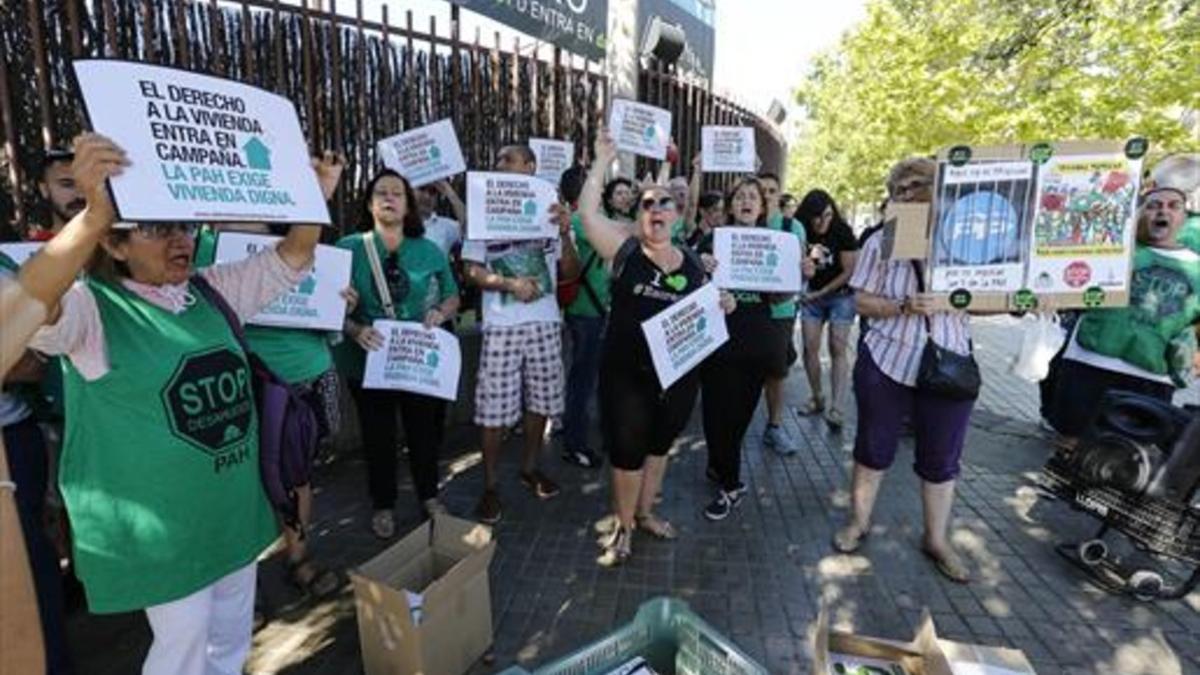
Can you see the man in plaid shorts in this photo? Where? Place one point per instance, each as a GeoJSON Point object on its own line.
{"type": "Point", "coordinates": [520, 366]}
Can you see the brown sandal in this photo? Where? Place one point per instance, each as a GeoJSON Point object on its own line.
{"type": "Point", "coordinates": [319, 583]}
{"type": "Point", "coordinates": [656, 527]}
{"type": "Point", "coordinates": [948, 565]}
{"type": "Point", "coordinates": [843, 542]}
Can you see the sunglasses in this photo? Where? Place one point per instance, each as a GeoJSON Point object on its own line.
{"type": "Point", "coordinates": [167, 230]}
{"type": "Point", "coordinates": [912, 186]}
{"type": "Point", "coordinates": [662, 203]}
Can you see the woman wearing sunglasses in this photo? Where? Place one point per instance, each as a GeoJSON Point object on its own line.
{"type": "Point", "coordinates": [400, 275]}
{"type": "Point", "coordinates": [160, 464]}
{"type": "Point", "coordinates": [639, 419]}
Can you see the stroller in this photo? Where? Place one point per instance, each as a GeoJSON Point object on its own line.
{"type": "Point", "coordinates": [1138, 471]}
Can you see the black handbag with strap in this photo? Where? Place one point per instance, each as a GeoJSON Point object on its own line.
{"type": "Point", "coordinates": [944, 372]}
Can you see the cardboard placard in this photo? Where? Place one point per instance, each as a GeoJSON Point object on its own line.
{"type": "Point", "coordinates": [509, 206]}
{"type": "Point", "coordinates": [639, 128]}
{"type": "Point", "coordinates": [424, 155]}
{"type": "Point", "coordinates": [416, 359]}
{"type": "Point", "coordinates": [201, 148]}
{"type": "Point", "coordinates": [681, 336]}
{"type": "Point", "coordinates": [315, 303]}
{"type": "Point", "coordinates": [21, 251]}
{"type": "Point", "coordinates": [728, 149]}
{"type": "Point", "coordinates": [757, 259]}
{"type": "Point", "coordinates": [553, 158]}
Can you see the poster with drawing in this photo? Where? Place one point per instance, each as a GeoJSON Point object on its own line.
{"type": "Point", "coordinates": [1084, 224]}
{"type": "Point", "coordinates": [981, 216]}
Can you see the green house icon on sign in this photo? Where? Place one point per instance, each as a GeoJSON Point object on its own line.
{"type": "Point", "coordinates": [307, 286]}
{"type": "Point", "coordinates": [431, 359]}
{"type": "Point", "coordinates": [434, 153]}
{"type": "Point", "coordinates": [530, 207]}
{"type": "Point", "coordinates": [258, 155]}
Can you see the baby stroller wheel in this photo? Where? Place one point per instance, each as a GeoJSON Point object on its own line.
{"type": "Point", "coordinates": [1146, 585]}
{"type": "Point", "coordinates": [1093, 552]}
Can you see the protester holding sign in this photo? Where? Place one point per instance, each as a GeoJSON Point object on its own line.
{"type": "Point", "coordinates": [832, 249]}
{"type": "Point", "coordinates": [733, 377]}
{"type": "Point", "coordinates": [151, 357]}
{"type": "Point", "coordinates": [904, 322]}
{"type": "Point", "coordinates": [402, 276]}
{"type": "Point", "coordinates": [1148, 346]}
{"type": "Point", "coordinates": [639, 419]}
{"type": "Point", "coordinates": [520, 365]}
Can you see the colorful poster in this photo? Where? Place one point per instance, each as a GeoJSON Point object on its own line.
{"type": "Point", "coordinates": [20, 251]}
{"type": "Point", "coordinates": [201, 148]}
{"type": "Point", "coordinates": [416, 359]}
{"type": "Point", "coordinates": [728, 149]}
{"type": "Point", "coordinates": [424, 155]}
{"type": "Point", "coordinates": [509, 206]}
{"type": "Point", "coordinates": [980, 220]}
{"type": "Point", "coordinates": [1084, 223]}
{"type": "Point", "coordinates": [553, 158]}
{"type": "Point", "coordinates": [756, 259]}
{"type": "Point", "coordinates": [639, 128]}
{"type": "Point", "coordinates": [681, 336]}
{"type": "Point", "coordinates": [315, 303]}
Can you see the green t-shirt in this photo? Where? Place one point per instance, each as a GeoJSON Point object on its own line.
{"type": "Point", "coordinates": [7, 263]}
{"type": "Point", "coordinates": [160, 463]}
{"type": "Point", "coordinates": [1189, 236]}
{"type": "Point", "coordinates": [1154, 331]}
{"type": "Point", "coordinates": [786, 310]}
{"type": "Point", "coordinates": [294, 354]}
{"type": "Point", "coordinates": [423, 280]}
{"type": "Point", "coordinates": [596, 276]}
{"type": "Point", "coordinates": [679, 232]}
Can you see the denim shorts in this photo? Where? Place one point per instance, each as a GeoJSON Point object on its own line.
{"type": "Point", "coordinates": [835, 308]}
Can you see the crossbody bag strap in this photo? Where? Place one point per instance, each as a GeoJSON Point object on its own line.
{"type": "Point", "coordinates": [381, 287]}
{"type": "Point", "coordinates": [921, 289]}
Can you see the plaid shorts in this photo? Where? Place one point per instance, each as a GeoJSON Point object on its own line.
{"type": "Point", "coordinates": [518, 363]}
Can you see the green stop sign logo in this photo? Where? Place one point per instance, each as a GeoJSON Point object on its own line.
{"type": "Point", "coordinates": [209, 401]}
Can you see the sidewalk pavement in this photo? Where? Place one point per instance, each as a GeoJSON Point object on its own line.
{"type": "Point", "coordinates": [757, 577]}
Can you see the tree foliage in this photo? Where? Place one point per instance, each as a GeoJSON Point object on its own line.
{"type": "Point", "coordinates": [918, 75]}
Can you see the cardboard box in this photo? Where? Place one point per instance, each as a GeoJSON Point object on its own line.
{"type": "Point", "coordinates": [442, 566]}
{"type": "Point", "coordinates": [925, 654]}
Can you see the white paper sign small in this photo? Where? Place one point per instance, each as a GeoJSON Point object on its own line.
{"type": "Point", "coordinates": [639, 128]}
{"type": "Point", "coordinates": [728, 149]}
{"type": "Point", "coordinates": [201, 148]}
{"type": "Point", "coordinates": [19, 252]}
{"type": "Point", "coordinates": [316, 303]}
{"type": "Point", "coordinates": [509, 206]}
{"type": "Point", "coordinates": [681, 336]}
{"type": "Point", "coordinates": [424, 155]}
{"type": "Point", "coordinates": [553, 158]}
{"type": "Point", "coordinates": [756, 259]}
{"type": "Point", "coordinates": [414, 359]}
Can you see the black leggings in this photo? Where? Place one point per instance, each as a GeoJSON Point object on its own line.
{"type": "Point", "coordinates": [732, 383]}
{"type": "Point", "coordinates": [422, 416]}
{"type": "Point", "coordinates": [637, 418]}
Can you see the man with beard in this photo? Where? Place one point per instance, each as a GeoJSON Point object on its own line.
{"type": "Point", "coordinates": [57, 186]}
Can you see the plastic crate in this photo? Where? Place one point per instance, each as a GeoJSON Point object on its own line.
{"type": "Point", "coordinates": [672, 639]}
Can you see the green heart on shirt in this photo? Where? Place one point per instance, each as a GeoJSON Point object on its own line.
{"type": "Point", "coordinates": [676, 282]}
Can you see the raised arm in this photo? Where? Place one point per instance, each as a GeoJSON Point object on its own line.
{"type": "Point", "coordinates": [605, 234]}
{"type": "Point", "coordinates": [298, 246]}
{"type": "Point", "coordinates": [456, 204]}
{"type": "Point", "coordinates": [693, 204]}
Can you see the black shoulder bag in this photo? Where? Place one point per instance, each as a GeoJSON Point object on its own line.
{"type": "Point", "coordinates": [944, 372]}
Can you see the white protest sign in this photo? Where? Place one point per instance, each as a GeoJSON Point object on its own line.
{"type": "Point", "coordinates": [553, 158]}
{"type": "Point", "coordinates": [424, 155]}
{"type": "Point", "coordinates": [756, 259]}
{"type": "Point", "coordinates": [509, 206]}
{"type": "Point", "coordinates": [315, 303]}
{"type": "Point", "coordinates": [19, 252]}
{"type": "Point", "coordinates": [201, 148]}
{"type": "Point", "coordinates": [414, 359]}
{"type": "Point", "coordinates": [639, 128]}
{"type": "Point", "coordinates": [684, 334]}
{"type": "Point", "coordinates": [728, 149]}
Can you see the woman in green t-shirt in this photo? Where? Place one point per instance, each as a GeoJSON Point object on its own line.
{"type": "Point", "coordinates": [413, 282]}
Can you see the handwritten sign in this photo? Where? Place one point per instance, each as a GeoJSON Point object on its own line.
{"type": "Point", "coordinates": [424, 155]}
{"type": "Point", "coordinates": [509, 206]}
{"type": "Point", "coordinates": [757, 259]}
{"type": "Point", "coordinates": [553, 158]}
{"type": "Point", "coordinates": [414, 359]}
{"type": "Point", "coordinates": [728, 149]}
{"type": "Point", "coordinates": [19, 252]}
{"type": "Point", "coordinates": [201, 148]}
{"type": "Point", "coordinates": [684, 334]}
{"type": "Point", "coordinates": [639, 128]}
{"type": "Point", "coordinates": [315, 303]}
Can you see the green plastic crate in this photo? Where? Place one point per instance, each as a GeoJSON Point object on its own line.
{"type": "Point", "coordinates": [673, 639]}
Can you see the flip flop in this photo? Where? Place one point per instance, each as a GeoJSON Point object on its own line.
{"type": "Point", "coordinates": [656, 527]}
{"type": "Point", "coordinates": [842, 543]}
{"type": "Point", "coordinates": [951, 569]}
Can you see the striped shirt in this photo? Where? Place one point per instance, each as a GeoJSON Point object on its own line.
{"type": "Point", "coordinates": [896, 343]}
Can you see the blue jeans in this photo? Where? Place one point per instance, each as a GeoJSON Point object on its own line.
{"type": "Point", "coordinates": [586, 342]}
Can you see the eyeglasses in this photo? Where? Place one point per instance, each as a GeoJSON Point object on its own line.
{"type": "Point", "coordinates": [167, 230]}
{"type": "Point", "coordinates": [662, 203]}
